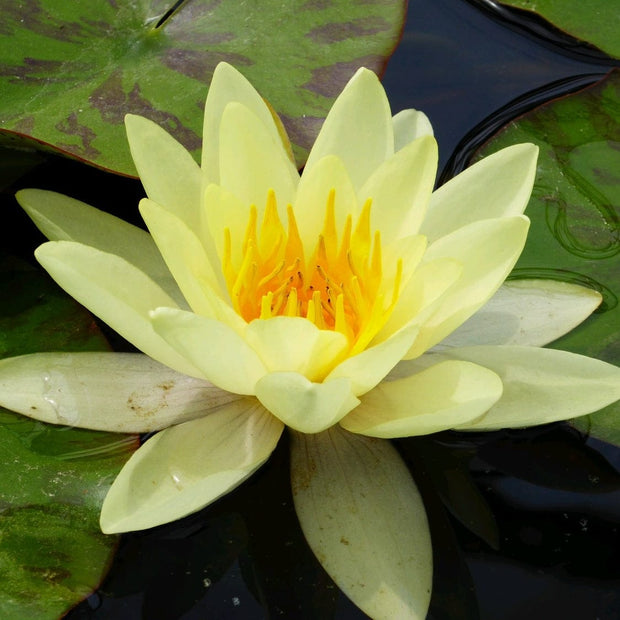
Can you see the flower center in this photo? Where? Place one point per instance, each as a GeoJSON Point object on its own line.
{"type": "Point", "coordinates": [341, 287]}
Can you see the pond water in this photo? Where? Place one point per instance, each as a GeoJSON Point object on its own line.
{"type": "Point", "coordinates": [550, 548]}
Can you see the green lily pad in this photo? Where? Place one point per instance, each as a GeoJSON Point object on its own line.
{"type": "Point", "coordinates": [52, 479]}
{"type": "Point", "coordinates": [69, 72]}
{"type": "Point", "coordinates": [593, 21]}
{"type": "Point", "coordinates": [575, 214]}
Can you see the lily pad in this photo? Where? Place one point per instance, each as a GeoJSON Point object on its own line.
{"type": "Point", "coordinates": [69, 72]}
{"type": "Point", "coordinates": [575, 214]}
{"type": "Point", "coordinates": [594, 22]}
{"type": "Point", "coordinates": [52, 479]}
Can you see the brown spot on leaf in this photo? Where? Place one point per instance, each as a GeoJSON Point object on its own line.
{"type": "Point", "coordinates": [113, 103]}
{"type": "Point", "coordinates": [71, 127]}
{"type": "Point", "coordinates": [340, 31]}
{"type": "Point", "coordinates": [302, 130]}
{"type": "Point", "coordinates": [25, 125]}
{"type": "Point", "coordinates": [200, 65]}
{"type": "Point", "coordinates": [32, 71]}
{"type": "Point", "coordinates": [329, 80]}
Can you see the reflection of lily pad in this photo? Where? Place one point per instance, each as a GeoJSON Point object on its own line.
{"type": "Point", "coordinates": [592, 21]}
{"type": "Point", "coordinates": [69, 72]}
{"type": "Point", "coordinates": [575, 213]}
{"type": "Point", "coordinates": [52, 479]}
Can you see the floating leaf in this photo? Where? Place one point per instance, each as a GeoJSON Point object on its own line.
{"type": "Point", "coordinates": [52, 479]}
{"type": "Point", "coordinates": [69, 72]}
{"type": "Point", "coordinates": [592, 21]}
{"type": "Point", "coordinates": [575, 213]}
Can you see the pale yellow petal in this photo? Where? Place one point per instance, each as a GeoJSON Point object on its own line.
{"type": "Point", "coordinates": [115, 291]}
{"type": "Point", "coordinates": [542, 385]}
{"type": "Point", "coordinates": [488, 250]}
{"type": "Point", "coordinates": [305, 406]}
{"type": "Point", "coordinates": [364, 519]}
{"type": "Point", "coordinates": [217, 350]}
{"type": "Point", "coordinates": [183, 468]}
{"type": "Point", "coordinates": [409, 125]}
{"type": "Point", "coordinates": [434, 399]}
{"type": "Point", "coordinates": [295, 344]}
{"type": "Point", "coordinates": [252, 161]}
{"type": "Point", "coordinates": [117, 392]}
{"type": "Point", "coordinates": [61, 218]}
{"type": "Point", "coordinates": [358, 128]}
{"type": "Point", "coordinates": [526, 312]}
{"type": "Point", "coordinates": [497, 186]}
{"type": "Point", "coordinates": [168, 172]}
{"type": "Point", "coordinates": [401, 187]}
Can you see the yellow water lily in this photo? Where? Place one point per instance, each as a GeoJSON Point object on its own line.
{"type": "Point", "coordinates": [340, 303]}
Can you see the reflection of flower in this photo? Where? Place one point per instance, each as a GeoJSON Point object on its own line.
{"type": "Point", "coordinates": [283, 300]}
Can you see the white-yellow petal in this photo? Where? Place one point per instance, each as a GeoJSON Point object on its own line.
{"type": "Point", "coordinates": [183, 468]}
{"type": "Point", "coordinates": [364, 519]}
{"type": "Point", "coordinates": [168, 172]}
{"type": "Point", "coordinates": [305, 406]}
{"type": "Point", "coordinates": [409, 125]}
{"type": "Point", "coordinates": [252, 161]}
{"type": "Point", "coordinates": [115, 291]}
{"type": "Point", "coordinates": [526, 312]}
{"type": "Point", "coordinates": [218, 351]}
{"type": "Point", "coordinates": [401, 187]}
{"type": "Point", "coordinates": [295, 344]}
{"type": "Point", "coordinates": [358, 128]}
{"type": "Point", "coordinates": [61, 218]}
{"type": "Point", "coordinates": [434, 399]}
{"type": "Point", "coordinates": [542, 385]}
{"type": "Point", "coordinates": [117, 392]}
{"type": "Point", "coordinates": [497, 186]}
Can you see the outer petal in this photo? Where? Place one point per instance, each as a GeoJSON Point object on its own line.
{"type": "Point", "coordinates": [219, 352]}
{"type": "Point", "coordinates": [526, 312]}
{"type": "Point", "coordinates": [445, 395]}
{"type": "Point", "coordinates": [61, 218]}
{"type": "Point", "coordinates": [497, 186]}
{"type": "Point", "coordinates": [305, 406]}
{"type": "Point", "coordinates": [229, 85]}
{"type": "Point", "coordinates": [358, 128]}
{"type": "Point", "coordinates": [115, 291]}
{"type": "Point", "coordinates": [118, 392]}
{"type": "Point", "coordinates": [183, 468]}
{"type": "Point", "coordinates": [168, 172]}
{"type": "Point", "coordinates": [295, 344]}
{"type": "Point", "coordinates": [488, 250]}
{"type": "Point", "coordinates": [409, 125]}
{"type": "Point", "coordinates": [252, 161]}
{"type": "Point", "coordinates": [401, 187]}
{"type": "Point", "coordinates": [542, 385]}
{"type": "Point", "coordinates": [363, 517]}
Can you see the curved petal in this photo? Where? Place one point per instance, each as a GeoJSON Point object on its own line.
{"type": "Point", "coordinates": [217, 350]}
{"type": "Point", "coordinates": [369, 367]}
{"type": "Point", "coordinates": [435, 399]}
{"type": "Point", "coordinates": [409, 125]}
{"type": "Point", "coordinates": [401, 187]}
{"type": "Point", "coordinates": [117, 392]}
{"type": "Point", "coordinates": [488, 250]}
{"type": "Point", "coordinates": [305, 406]}
{"type": "Point", "coordinates": [295, 344]}
{"type": "Point", "coordinates": [542, 385]}
{"type": "Point", "coordinates": [168, 172]}
{"type": "Point", "coordinates": [117, 292]}
{"type": "Point", "coordinates": [61, 218]}
{"type": "Point", "coordinates": [252, 161]}
{"type": "Point", "coordinates": [228, 85]}
{"type": "Point", "coordinates": [364, 519]}
{"type": "Point", "coordinates": [497, 186]}
{"type": "Point", "coordinates": [183, 468]}
{"type": "Point", "coordinates": [526, 312]}
{"type": "Point", "coordinates": [358, 128]}
{"type": "Point", "coordinates": [198, 278]}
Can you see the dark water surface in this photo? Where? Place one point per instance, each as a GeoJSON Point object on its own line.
{"type": "Point", "coordinates": [548, 548]}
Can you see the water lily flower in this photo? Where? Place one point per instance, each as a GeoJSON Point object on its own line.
{"type": "Point", "coordinates": [340, 303]}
